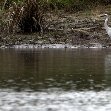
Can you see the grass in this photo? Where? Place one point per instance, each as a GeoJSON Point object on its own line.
{"type": "Point", "coordinates": [22, 17]}
{"type": "Point", "coordinates": [27, 15]}
{"type": "Point", "coordinates": [75, 5]}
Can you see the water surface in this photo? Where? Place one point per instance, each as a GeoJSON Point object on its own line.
{"type": "Point", "coordinates": [55, 80]}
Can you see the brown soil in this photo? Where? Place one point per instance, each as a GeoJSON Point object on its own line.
{"type": "Point", "coordinates": [64, 28]}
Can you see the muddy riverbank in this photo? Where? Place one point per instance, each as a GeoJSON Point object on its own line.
{"type": "Point", "coordinates": [64, 28]}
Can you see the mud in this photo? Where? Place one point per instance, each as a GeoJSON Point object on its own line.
{"type": "Point", "coordinates": [63, 28]}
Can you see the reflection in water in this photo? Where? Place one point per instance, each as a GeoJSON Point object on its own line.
{"type": "Point", "coordinates": [55, 80]}
{"type": "Point", "coordinates": [42, 69]}
{"type": "Point", "coordinates": [108, 64]}
{"type": "Point", "coordinates": [108, 69]}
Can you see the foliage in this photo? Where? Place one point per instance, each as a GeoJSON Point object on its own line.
{"type": "Point", "coordinates": [75, 5]}
{"type": "Point", "coordinates": [22, 17]}
{"type": "Point", "coordinates": [66, 4]}
{"type": "Point", "coordinates": [27, 15]}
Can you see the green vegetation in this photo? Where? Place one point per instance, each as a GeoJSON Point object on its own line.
{"type": "Point", "coordinates": [21, 16]}
{"type": "Point", "coordinates": [76, 5]}
{"type": "Point", "coordinates": [27, 15]}
{"type": "Point", "coordinates": [66, 4]}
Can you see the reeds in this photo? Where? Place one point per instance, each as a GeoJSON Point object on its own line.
{"type": "Point", "coordinates": [25, 17]}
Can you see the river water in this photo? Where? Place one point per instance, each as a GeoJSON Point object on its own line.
{"type": "Point", "coordinates": [55, 80]}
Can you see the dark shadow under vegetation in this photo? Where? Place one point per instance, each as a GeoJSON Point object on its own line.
{"type": "Point", "coordinates": [31, 17]}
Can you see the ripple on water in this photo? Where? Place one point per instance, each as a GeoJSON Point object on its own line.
{"type": "Point", "coordinates": [55, 100]}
